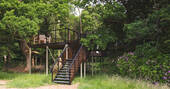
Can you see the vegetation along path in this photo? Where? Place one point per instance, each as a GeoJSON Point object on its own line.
{"type": "Point", "coordinates": [73, 86]}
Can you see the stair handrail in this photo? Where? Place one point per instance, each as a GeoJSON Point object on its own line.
{"type": "Point", "coordinates": [73, 64]}
{"type": "Point", "coordinates": [76, 56]}
{"type": "Point", "coordinates": [57, 60]}
{"type": "Point", "coordinates": [59, 56]}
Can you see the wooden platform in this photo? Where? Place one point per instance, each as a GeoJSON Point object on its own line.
{"type": "Point", "coordinates": [57, 45]}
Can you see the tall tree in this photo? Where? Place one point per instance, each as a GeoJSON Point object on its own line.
{"type": "Point", "coordinates": [20, 20]}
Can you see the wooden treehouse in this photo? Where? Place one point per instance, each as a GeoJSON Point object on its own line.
{"type": "Point", "coordinates": [71, 58]}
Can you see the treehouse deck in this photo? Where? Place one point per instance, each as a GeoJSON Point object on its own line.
{"type": "Point", "coordinates": [57, 45]}
{"type": "Point", "coordinates": [53, 40]}
{"type": "Point", "coordinates": [53, 45]}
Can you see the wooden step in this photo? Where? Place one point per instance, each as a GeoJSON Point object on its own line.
{"type": "Point", "coordinates": [62, 82]}
{"type": "Point", "coordinates": [62, 79]}
{"type": "Point", "coordinates": [63, 76]}
{"type": "Point", "coordinates": [63, 73]}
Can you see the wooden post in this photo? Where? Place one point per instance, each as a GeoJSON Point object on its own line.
{"type": "Point", "coordinates": [80, 23]}
{"type": "Point", "coordinates": [35, 60]}
{"type": "Point", "coordinates": [69, 36]}
{"type": "Point", "coordinates": [55, 35]}
{"type": "Point", "coordinates": [84, 69]}
{"type": "Point", "coordinates": [81, 70]}
{"type": "Point", "coordinates": [5, 59]}
{"type": "Point", "coordinates": [67, 51]}
{"type": "Point", "coordinates": [29, 60]}
{"type": "Point", "coordinates": [92, 66]}
{"type": "Point", "coordinates": [46, 60]}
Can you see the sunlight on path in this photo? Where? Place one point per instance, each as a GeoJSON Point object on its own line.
{"type": "Point", "coordinates": [2, 84]}
{"type": "Point", "coordinates": [73, 86]}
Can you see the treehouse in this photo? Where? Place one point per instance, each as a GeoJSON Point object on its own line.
{"type": "Point", "coordinates": [72, 57]}
{"type": "Point", "coordinates": [41, 39]}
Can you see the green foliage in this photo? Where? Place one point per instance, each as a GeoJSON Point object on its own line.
{"type": "Point", "coordinates": [155, 28]}
{"type": "Point", "coordinates": [146, 62]}
{"type": "Point", "coordinates": [22, 19]}
{"type": "Point", "coordinates": [19, 27]}
{"type": "Point", "coordinates": [114, 82]}
{"type": "Point", "coordinates": [102, 23]}
{"type": "Point", "coordinates": [137, 29]}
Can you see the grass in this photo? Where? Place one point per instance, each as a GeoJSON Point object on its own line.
{"type": "Point", "coordinates": [8, 75]}
{"type": "Point", "coordinates": [115, 82]}
{"type": "Point", "coordinates": [25, 81]}
{"type": "Point", "coordinates": [20, 80]}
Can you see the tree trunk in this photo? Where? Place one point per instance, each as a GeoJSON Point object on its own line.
{"type": "Point", "coordinates": [25, 50]}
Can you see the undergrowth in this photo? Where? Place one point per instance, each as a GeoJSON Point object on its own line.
{"type": "Point", "coordinates": [115, 82]}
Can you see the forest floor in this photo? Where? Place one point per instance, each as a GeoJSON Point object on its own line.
{"type": "Point", "coordinates": [3, 84]}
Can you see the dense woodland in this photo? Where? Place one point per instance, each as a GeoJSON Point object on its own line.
{"type": "Point", "coordinates": [133, 34]}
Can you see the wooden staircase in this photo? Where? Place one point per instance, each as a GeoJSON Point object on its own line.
{"type": "Point", "coordinates": [64, 69]}
{"type": "Point", "coordinates": [63, 75]}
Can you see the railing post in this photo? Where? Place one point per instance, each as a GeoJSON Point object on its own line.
{"type": "Point", "coordinates": [74, 66]}
{"type": "Point", "coordinates": [84, 69]}
{"type": "Point", "coordinates": [65, 35]}
{"type": "Point", "coordinates": [55, 35]}
{"type": "Point", "coordinates": [46, 60]}
{"type": "Point", "coordinates": [69, 38]}
{"type": "Point", "coordinates": [92, 66]}
{"type": "Point", "coordinates": [58, 64]}
{"type": "Point", "coordinates": [69, 76]}
{"type": "Point", "coordinates": [67, 51]}
{"type": "Point", "coordinates": [81, 70]}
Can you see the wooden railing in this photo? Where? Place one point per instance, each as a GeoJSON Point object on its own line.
{"type": "Point", "coordinates": [56, 36]}
{"type": "Point", "coordinates": [60, 61]}
{"type": "Point", "coordinates": [77, 60]}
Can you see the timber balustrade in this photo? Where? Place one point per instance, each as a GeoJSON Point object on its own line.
{"type": "Point", "coordinates": [60, 61]}
{"type": "Point", "coordinates": [56, 36]}
{"type": "Point", "coordinates": [78, 59]}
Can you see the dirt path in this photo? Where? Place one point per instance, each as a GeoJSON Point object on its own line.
{"type": "Point", "coordinates": [73, 86]}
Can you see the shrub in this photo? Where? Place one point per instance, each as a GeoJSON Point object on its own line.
{"type": "Point", "coordinates": [146, 62]}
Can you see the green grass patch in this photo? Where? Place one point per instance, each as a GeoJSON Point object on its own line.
{"type": "Point", "coordinates": [32, 80]}
{"type": "Point", "coordinates": [21, 80]}
{"type": "Point", "coordinates": [114, 82]}
{"type": "Point", "coordinates": [8, 75]}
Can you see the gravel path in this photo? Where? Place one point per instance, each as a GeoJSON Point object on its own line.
{"type": "Point", "coordinates": [73, 86]}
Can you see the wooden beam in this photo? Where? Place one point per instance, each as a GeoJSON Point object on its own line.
{"type": "Point", "coordinates": [46, 60]}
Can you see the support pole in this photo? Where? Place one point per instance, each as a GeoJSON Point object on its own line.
{"type": "Point", "coordinates": [46, 60]}
{"type": "Point", "coordinates": [84, 69]}
{"type": "Point", "coordinates": [81, 70]}
{"type": "Point", "coordinates": [92, 66]}
{"type": "Point", "coordinates": [66, 51]}
{"type": "Point", "coordinates": [5, 59]}
{"type": "Point", "coordinates": [29, 60]}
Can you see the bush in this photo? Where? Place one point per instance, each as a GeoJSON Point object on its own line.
{"type": "Point", "coordinates": [146, 62]}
